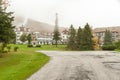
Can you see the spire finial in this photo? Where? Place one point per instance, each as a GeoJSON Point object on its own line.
{"type": "Point", "coordinates": [56, 21]}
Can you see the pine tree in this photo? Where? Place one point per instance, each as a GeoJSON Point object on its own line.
{"type": "Point", "coordinates": [29, 38]}
{"type": "Point", "coordinates": [7, 33]}
{"type": "Point", "coordinates": [87, 42]}
{"type": "Point", "coordinates": [79, 38]}
{"type": "Point", "coordinates": [23, 37]}
{"type": "Point", "coordinates": [56, 34]}
{"type": "Point", "coordinates": [71, 40]}
{"type": "Point", "coordinates": [107, 38]}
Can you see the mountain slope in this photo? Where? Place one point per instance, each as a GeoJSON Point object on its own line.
{"type": "Point", "coordinates": [41, 27]}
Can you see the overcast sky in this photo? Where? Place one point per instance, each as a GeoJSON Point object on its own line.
{"type": "Point", "coordinates": [98, 13]}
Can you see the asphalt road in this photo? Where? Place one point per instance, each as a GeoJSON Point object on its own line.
{"type": "Point", "coordinates": [84, 65]}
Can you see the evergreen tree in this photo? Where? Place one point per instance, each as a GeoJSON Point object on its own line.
{"type": "Point", "coordinates": [87, 42]}
{"type": "Point", "coordinates": [56, 34]}
{"type": "Point", "coordinates": [29, 38]}
{"type": "Point", "coordinates": [107, 38]}
{"type": "Point", "coordinates": [71, 39]}
{"type": "Point", "coordinates": [7, 33]}
{"type": "Point", "coordinates": [23, 37]}
{"type": "Point", "coordinates": [79, 38]}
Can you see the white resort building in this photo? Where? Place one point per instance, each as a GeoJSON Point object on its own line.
{"type": "Point", "coordinates": [100, 33]}
{"type": "Point", "coordinates": [19, 31]}
{"type": "Point", "coordinates": [40, 37]}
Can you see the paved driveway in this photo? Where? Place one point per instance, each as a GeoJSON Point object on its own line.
{"type": "Point", "coordinates": [84, 65]}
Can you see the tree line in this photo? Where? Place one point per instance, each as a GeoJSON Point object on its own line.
{"type": "Point", "coordinates": [81, 39]}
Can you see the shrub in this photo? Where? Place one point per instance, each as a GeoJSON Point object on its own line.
{"type": "Point", "coordinates": [3, 51]}
{"type": "Point", "coordinates": [29, 45]}
{"type": "Point", "coordinates": [38, 45]}
{"type": "Point", "coordinates": [108, 47]}
{"type": "Point", "coordinates": [8, 47]}
{"type": "Point", "coordinates": [16, 48]}
{"type": "Point", "coordinates": [117, 44]}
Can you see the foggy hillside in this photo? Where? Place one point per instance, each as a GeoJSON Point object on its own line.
{"type": "Point", "coordinates": [18, 20]}
{"type": "Point", "coordinates": [41, 27]}
{"type": "Point", "coordinates": [35, 25]}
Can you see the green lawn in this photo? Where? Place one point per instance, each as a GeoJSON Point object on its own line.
{"type": "Point", "coordinates": [43, 47]}
{"type": "Point", "coordinates": [23, 63]}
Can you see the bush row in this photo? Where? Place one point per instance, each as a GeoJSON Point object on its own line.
{"type": "Point", "coordinates": [30, 45]}
{"type": "Point", "coordinates": [9, 49]}
{"type": "Point", "coordinates": [108, 47]}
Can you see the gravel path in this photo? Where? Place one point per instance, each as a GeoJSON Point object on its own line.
{"type": "Point", "coordinates": [84, 65]}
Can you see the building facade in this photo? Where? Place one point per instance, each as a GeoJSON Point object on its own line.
{"type": "Point", "coordinates": [40, 37]}
{"type": "Point", "coordinates": [19, 31]}
{"type": "Point", "coordinates": [45, 38]}
{"type": "Point", "coordinates": [64, 36]}
{"type": "Point", "coordinates": [100, 33]}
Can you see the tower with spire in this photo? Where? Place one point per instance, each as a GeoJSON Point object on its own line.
{"type": "Point", "coordinates": [56, 22]}
{"type": "Point", "coordinates": [56, 34]}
